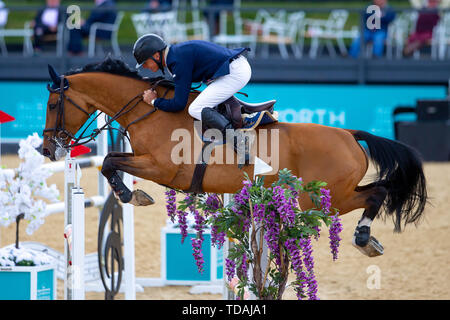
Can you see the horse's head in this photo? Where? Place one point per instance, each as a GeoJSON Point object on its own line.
{"type": "Point", "coordinates": [67, 111]}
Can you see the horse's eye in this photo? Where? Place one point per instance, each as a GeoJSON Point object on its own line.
{"type": "Point", "coordinates": [52, 106]}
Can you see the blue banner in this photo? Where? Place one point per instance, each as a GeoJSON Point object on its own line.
{"type": "Point", "coordinates": [363, 107]}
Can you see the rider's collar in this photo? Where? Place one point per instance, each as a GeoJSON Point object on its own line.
{"type": "Point", "coordinates": [166, 52]}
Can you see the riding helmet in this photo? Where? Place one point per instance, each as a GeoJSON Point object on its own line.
{"type": "Point", "coordinates": [146, 46]}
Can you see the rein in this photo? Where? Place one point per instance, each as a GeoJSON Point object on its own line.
{"type": "Point", "coordinates": [59, 131]}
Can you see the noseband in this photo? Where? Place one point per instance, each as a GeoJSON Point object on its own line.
{"type": "Point", "coordinates": [59, 133]}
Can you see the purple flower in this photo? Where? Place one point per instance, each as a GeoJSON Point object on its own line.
{"type": "Point", "coordinates": [213, 204]}
{"type": "Point", "coordinates": [316, 236]}
{"type": "Point", "coordinates": [284, 206]}
{"type": "Point", "coordinates": [325, 200]}
{"type": "Point", "coordinates": [296, 262]}
{"type": "Point", "coordinates": [241, 198]}
{"type": "Point", "coordinates": [305, 244]}
{"type": "Point", "coordinates": [198, 255]}
{"type": "Point", "coordinates": [171, 204]}
{"type": "Point", "coordinates": [335, 229]}
{"type": "Point", "coordinates": [272, 235]}
{"type": "Point", "coordinates": [243, 268]}
{"type": "Point", "coordinates": [259, 211]}
{"type": "Point", "coordinates": [217, 238]}
{"type": "Point", "coordinates": [183, 224]}
{"type": "Point", "coordinates": [199, 221]}
{"type": "Point", "coordinates": [295, 193]}
{"type": "Point", "coordinates": [230, 268]}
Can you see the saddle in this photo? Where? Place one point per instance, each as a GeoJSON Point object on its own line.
{"type": "Point", "coordinates": [244, 116]}
{"type": "Point", "coordinates": [238, 111]}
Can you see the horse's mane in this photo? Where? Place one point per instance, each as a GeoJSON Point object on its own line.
{"type": "Point", "coordinates": [117, 67]}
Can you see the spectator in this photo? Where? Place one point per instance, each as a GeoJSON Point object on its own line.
{"type": "Point", "coordinates": [46, 22]}
{"type": "Point", "coordinates": [426, 22]}
{"type": "Point", "coordinates": [105, 12]}
{"type": "Point", "coordinates": [377, 36]}
{"type": "Point", "coordinates": [158, 6]}
{"type": "Point", "coordinates": [3, 14]}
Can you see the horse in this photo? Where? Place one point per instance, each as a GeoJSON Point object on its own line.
{"type": "Point", "coordinates": [310, 151]}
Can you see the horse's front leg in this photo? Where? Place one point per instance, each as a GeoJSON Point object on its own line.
{"type": "Point", "coordinates": [128, 163]}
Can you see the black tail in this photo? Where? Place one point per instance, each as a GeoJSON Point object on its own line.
{"type": "Point", "coordinates": [400, 172]}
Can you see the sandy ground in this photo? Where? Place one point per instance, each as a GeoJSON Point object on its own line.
{"type": "Point", "coordinates": [416, 263]}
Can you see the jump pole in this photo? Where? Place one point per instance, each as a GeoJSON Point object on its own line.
{"type": "Point", "coordinates": [74, 233]}
{"type": "Point", "coordinates": [128, 239]}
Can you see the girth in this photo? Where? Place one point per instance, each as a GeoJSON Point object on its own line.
{"type": "Point", "coordinates": [199, 171]}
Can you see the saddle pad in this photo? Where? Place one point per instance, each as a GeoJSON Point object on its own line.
{"type": "Point", "coordinates": [251, 121]}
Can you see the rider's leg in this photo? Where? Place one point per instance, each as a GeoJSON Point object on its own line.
{"type": "Point", "coordinates": [222, 88]}
{"type": "Point", "coordinates": [213, 119]}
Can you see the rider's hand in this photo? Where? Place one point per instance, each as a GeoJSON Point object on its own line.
{"type": "Point", "coordinates": [149, 96]}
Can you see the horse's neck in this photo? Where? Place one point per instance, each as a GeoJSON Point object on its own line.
{"type": "Point", "coordinates": [110, 93]}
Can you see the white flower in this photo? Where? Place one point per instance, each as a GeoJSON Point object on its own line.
{"type": "Point", "coordinates": [19, 188]}
{"type": "Point", "coordinates": [10, 253]}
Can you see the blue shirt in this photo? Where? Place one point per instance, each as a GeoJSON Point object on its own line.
{"type": "Point", "coordinates": [387, 16]}
{"type": "Point", "coordinates": [194, 61]}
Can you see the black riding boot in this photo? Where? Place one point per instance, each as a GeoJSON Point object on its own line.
{"type": "Point", "coordinates": [213, 119]}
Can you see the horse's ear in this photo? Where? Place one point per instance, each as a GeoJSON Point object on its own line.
{"type": "Point", "coordinates": [54, 75]}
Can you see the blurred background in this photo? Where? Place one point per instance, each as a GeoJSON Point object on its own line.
{"type": "Point", "coordinates": [321, 60]}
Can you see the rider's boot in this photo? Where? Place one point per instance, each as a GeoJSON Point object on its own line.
{"type": "Point", "coordinates": [213, 119]}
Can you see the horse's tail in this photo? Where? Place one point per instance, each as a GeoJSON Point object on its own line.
{"type": "Point", "coordinates": [400, 171]}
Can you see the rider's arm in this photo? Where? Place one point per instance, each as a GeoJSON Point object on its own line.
{"type": "Point", "coordinates": [183, 82]}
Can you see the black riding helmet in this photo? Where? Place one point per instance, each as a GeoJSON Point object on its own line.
{"type": "Point", "coordinates": [146, 46]}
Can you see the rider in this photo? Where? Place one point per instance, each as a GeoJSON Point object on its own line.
{"type": "Point", "coordinates": [225, 70]}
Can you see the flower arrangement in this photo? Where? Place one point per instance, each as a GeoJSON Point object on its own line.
{"type": "Point", "coordinates": [11, 256]}
{"type": "Point", "coordinates": [261, 217]}
{"type": "Point", "coordinates": [22, 191]}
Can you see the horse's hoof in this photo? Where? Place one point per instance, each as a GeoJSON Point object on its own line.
{"type": "Point", "coordinates": [373, 248]}
{"type": "Point", "coordinates": [140, 198]}
{"type": "Point", "coordinates": [361, 236]}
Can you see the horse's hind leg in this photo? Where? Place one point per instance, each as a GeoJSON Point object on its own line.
{"type": "Point", "coordinates": [374, 195]}
{"type": "Point", "coordinates": [114, 161]}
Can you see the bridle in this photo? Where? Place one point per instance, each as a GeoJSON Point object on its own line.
{"type": "Point", "coordinates": [59, 133]}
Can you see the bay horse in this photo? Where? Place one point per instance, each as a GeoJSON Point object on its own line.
{"type": "Point", "coordinates": [310, 151]}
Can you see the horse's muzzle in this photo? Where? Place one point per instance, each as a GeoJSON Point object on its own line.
{"type": "Point", "coordinates": [48, 150]}
{"type": "Point", "coordinates": [52, 150]}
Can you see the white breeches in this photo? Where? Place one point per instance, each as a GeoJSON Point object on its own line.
{"type": "Point", "coordinates": [222, 88]}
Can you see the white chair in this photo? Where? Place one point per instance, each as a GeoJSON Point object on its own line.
{"type": "Point", "coordinates": [3, 21]}
{"type": "Point", "coordinates": [237, 39]}
{"type": "Point", "coordinates": [113, 27]}
{"type": "Point", "coordinates": [327, 31]}
{"type": "Point", "coordinates": [281, 29]}
{"type": "Point", "coordinates": [441, 38]}
{"type": "Point", "coordinates": [164, 24]}
{"type": "Point", "coordinates": [198, 29]}
{"type": "Point", "coordinates": [398, 31]}
{"type": "Point", "coordinates": [57, 38]}
{"type": "Point", "coordinates": [26, 33]}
